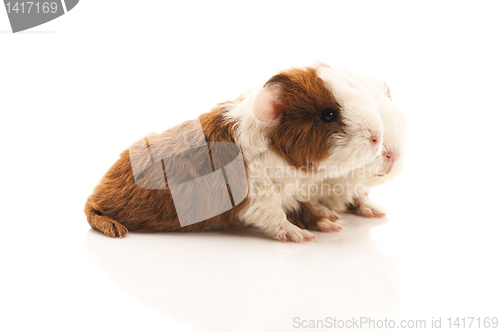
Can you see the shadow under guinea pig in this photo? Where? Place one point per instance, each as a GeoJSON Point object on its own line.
{"type": "Point", "coordinates": [243, 281]}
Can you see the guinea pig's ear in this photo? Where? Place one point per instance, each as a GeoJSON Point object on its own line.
{"type": "Point", "coordinates": [267, 105]}
{"type": "Point", "coordinates": [387, 91]}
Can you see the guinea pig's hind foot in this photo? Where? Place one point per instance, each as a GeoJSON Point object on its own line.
{"type": "Point", "coordinates": [108, 226]}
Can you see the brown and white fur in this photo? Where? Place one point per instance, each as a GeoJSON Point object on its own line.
{"type": "Point", "coordinates": [278, 128]}
{"type": "Point", "coordinates": [350, 193]}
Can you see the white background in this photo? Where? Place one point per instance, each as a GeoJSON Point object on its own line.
{"type": "Point", "coordinates": [78, 90]}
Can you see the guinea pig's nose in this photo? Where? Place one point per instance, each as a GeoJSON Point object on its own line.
{"type": "Point", "coordinates": [391, 157]}
{"type": "Point", "coordinates": [390, 160]}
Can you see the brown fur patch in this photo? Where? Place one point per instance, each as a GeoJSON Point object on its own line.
{"type": "Point", "coordinates": [301, 137]}
{"type": "Point", "coordinates": [118, 204]}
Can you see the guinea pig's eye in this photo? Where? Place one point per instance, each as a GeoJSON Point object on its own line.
{"type": "Point", "coordinates": [328, 115]}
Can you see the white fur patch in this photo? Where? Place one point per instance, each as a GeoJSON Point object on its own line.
{"type": "Point", "coordinates": [359, 181]}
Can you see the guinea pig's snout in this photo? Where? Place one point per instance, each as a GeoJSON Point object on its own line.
{"type": "Point", "coordinates": [390, 158]}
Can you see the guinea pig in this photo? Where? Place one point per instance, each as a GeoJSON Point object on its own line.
{"type": "Point", "coordinates": [246, 162]}
{"type": "Point", "coordinates": [350, 192]}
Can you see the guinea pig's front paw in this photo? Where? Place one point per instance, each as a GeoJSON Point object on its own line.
{"type": "Point", "coordinates": [326, 212]}
{"type": "Point", "coordinates": [328, 226]}
{"type": "Point", "coordinates": [293, 234]}
{"type": "Point", "coordinates": [370, 211]}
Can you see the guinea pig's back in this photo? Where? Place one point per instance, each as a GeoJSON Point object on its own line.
{"type": "Point", "coordinates": [134, 193]}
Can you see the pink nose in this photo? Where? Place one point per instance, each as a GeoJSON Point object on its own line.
{"type": "Point", "coordinates": [391, 157]}
{"type": "Point", "coordinates": [390, 160]}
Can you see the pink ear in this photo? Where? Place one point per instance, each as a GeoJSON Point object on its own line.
{"type": "Point", "coordinates": [267, 104]}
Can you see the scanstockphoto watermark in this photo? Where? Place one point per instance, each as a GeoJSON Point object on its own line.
{"type": "Point", "coordinates": [356, 323]}
{"type": "Point", "coordinates": [312, 171]}
{"type": "Point", "coordinates": [323, 188]}
{"type": "Point", "coordinates": [470, 322]}
{"type": "Point", "coordinates": [310, 180]}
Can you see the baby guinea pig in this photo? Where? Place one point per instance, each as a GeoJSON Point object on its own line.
{"type": "Point", "coordinates": [350, 193]}
{"type": "Point", "coordinates": [300, 121]}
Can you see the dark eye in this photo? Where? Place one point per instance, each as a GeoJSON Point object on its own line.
{"type": "Point", "coordinates": [328, 115]}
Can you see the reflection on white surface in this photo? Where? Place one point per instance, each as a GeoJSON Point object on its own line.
{"type": "Point", "coordinates": [242, 281]}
